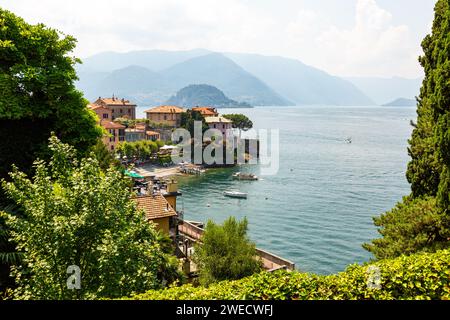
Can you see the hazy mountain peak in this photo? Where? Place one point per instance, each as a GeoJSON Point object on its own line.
{"type": "Point", "coordinates": [253, 78]}
{"type": "Point", "coordinates": [203, 95]}
{"type": "Point", "coordinates": [218, 70]}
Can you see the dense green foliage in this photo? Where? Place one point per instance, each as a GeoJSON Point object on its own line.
{"type": "Point", "coordinates": [422, 221]}
{"type": "Point", "coordinates": [420, 276]}
{"type": "Point", "coordinates": [105, 157]}
{"type": "Point", "coordinates": [189, 118]}
{"type": "Point", "coordinates": [138, 149]}
{"type": "Point", "coordinates": [78, 214]}
{"type": "Point", "coordinates": [8, 253]}
{"type": "Point", "coordinates": [37, 97]}
{"type": "Point", "coordinates": [226, 253]}
{"type": "Point", "coordinates": [411, 226]}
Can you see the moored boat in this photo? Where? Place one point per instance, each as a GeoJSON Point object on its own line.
{"type": "Point", "coordinates": [245, 176]}
{"type": "Point", "coordinates": [235, 194]}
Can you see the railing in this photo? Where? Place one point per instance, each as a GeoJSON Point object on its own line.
{"type": "Point", "coordinates": [274, 262]}
{"type": "Point", "coordinates": [271, 261]}
{"type": "Point", "coordinates": [190, 230]}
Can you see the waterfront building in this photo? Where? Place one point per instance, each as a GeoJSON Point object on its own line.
{"type": "Point", "coordinates": [120, 108]}
{"type": "Point", "coordinates": [219, 123]}
{"type": "Point", "coordinates": [134, 134]}
{"type": "Point", "coordinates": [115, 132]}
{"type": "Point", "coordinates": [166, 115]}
{"type": "Point", "coordinates": [158, 210]}
{"type": "Point", "coordinates": [153, 135]}
{"type": "Point", "coordinates": [160, 206]}
{"type": "Point", "coordinates": [207, 111]}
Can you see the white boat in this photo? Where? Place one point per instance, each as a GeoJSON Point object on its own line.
{"type": "Point", "coordinates": [235, 194]}
{"type": "Point", "coordinates": [245, 176]}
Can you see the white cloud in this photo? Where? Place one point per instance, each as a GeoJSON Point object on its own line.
{"type": "Point", "coordinates": [374, 45]}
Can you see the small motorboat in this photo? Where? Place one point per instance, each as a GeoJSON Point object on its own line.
{"type": "Point", "coordinates": [235, 194]}
{"type": "Point", "coordinates": [245, 176]}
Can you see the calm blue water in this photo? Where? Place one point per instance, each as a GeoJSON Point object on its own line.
{"type": "Point", "coordinates": [320, 205]}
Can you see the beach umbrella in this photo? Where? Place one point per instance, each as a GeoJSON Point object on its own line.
{"type": "Point", "coordinates": [133, 175]}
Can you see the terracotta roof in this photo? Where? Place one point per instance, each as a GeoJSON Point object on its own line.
{"type": "Point", "coordinates": [166, 109]}
{"type": "Point", "coordinates": [96, 107]}
{"type": "Point", "coordinates": [152, 133]}
{"type": "Point", "coordinates": [217, 120]}
{"type": "Point", "coordinates": [111, 125]}
{"type": "Point", "coordinates": [114, 102]}
{"type": "Point", "coordinates": [206, 111]}
{"type": "Point", "coordinates": [155, 207]}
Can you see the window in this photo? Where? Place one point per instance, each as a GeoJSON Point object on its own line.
{"type": "Point", "coordinates": [121, 111]}
{"type": "Point", "coordinates": [214, 126]}
{"type": "Point", "coordinates": [165, 117]}
{"type": "Point", "coordinates": [105, 116]}
{"type": "Point", "coordinates": [129, 111]}
{"type": "Point", "coordinates": [112, 148]}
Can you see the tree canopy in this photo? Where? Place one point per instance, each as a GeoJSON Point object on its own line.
{"type": "Point", "coordinates": [422, 221]}
{"type": "Point", "coordinates": [240, 121]}
{"type": "Point", "coordinates": [226, 253]}
{"type": "Point", "coordinates": [76, 214]}
{"type": "Point", "coordinates": [38, 94]}
{"type": "Point", "coordinates": [189, 118]}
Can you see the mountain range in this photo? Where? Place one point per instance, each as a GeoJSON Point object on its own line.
{"type": "Point", "coordinates": [152, 77]}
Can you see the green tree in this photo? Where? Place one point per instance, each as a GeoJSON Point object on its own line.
{"type": "Point", "coordinates": [408, 228]}
{"type": "Point", "coordinates": [189, 118]}
{"type": "Point", "coordinates": [226, 253]}
{"type": "Point", "coordinates": [38, 94]}
{"type": "Point", "coordinates": [240, 121]}
{"type": "Point", "coordinates": [8, 253]}
{"type": "Point", "coordinates": [77, 214]}
{"type": "Point", "coordinates": [422, 221]}
{"type": "Point", "coordinates": [37, 97]}
{"type": "Point", "coordinates": [104, 157]}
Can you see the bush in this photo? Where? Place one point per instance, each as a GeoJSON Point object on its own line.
{"type": "Point", "coordinates": [422, 276]}
{"type": "Point", "coordinates": [226, 253]}
{"type": "Point", "coordinates": [77, 214]}
{"type": "Point", "coordinates": [411, 226]}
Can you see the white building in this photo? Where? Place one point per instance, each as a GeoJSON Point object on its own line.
{"type": "Point", "coordinates": [220, 123]}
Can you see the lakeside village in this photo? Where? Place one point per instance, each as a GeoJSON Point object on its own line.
{"type": "Point", "coordinates": [156, 190]}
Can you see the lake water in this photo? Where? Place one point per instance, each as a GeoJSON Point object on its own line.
{"type": "Point", "coordinates": [317, 211]}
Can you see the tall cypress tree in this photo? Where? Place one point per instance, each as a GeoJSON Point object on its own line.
{"type": "Point", "coordinates": [422, 221]}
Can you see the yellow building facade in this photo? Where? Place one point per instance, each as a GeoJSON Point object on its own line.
{"type": "Point", "coordinates": [166, 115]}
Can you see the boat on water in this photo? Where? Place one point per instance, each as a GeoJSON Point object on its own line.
{"type": "Point", "coordinates": [245, 176]}
{"type": "Point", "coordinates": [235, 194]}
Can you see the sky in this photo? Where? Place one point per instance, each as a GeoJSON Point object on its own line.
{"type": "Point", "coordinates": [365, 38]}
